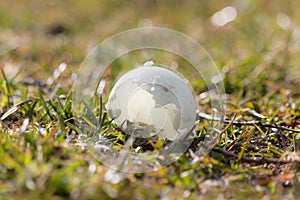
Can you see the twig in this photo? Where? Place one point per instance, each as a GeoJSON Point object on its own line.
{"type": "Point", "coordinates": [214, 140]}
{"type": "Point", "coordinates": [207, 147]}
{"type": "Point", "coordinates": [259, 160]}
{"type": "Point", "coordinates": [247, 123]}
{"type": "Point", "coordinates": [283, 142]}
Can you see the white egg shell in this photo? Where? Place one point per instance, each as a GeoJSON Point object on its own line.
{"type": "Point", "coordinates": [151, 100]}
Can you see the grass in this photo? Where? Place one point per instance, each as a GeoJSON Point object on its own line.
{"type": "Point", "coordinates": [257, 54]}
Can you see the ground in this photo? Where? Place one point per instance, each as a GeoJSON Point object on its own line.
{"type": "Point", "coordinates": [257, 155]}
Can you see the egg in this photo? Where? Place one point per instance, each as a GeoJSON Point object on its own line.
{"type": "Point", "coordinates": [153, 101]}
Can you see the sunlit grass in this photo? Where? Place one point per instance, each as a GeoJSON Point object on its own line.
{"type": "Point", "coordinates": [259, 58]}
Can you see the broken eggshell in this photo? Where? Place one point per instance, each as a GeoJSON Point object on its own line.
{"type": "Point", "coordinates": [152, 100]}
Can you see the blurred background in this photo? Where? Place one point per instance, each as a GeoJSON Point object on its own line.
{"type": "Point", "coordinates": [245, 38]}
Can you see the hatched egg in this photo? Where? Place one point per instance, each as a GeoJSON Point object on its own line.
{"type": "Point", "coordinates": [152, 100]}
